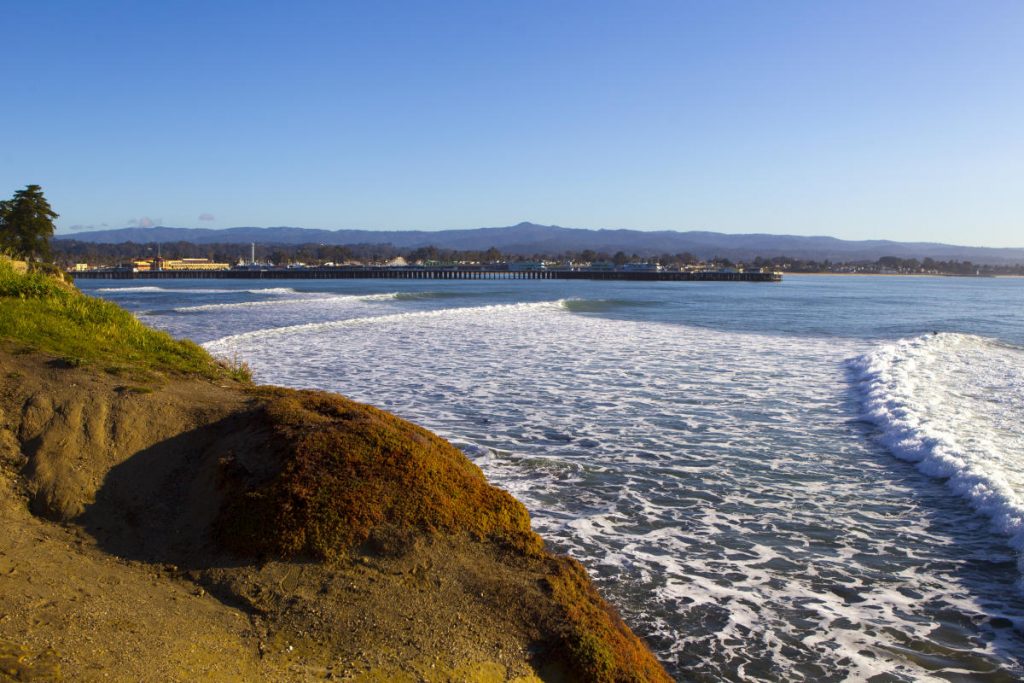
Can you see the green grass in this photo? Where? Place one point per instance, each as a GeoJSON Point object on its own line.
{"type": "Point", "coordinates": [41, 311]}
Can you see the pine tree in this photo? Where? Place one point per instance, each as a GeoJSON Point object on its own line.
{"type": "Point", "coordinates": [26, 224]}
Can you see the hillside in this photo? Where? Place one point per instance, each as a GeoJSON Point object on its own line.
{"type": "Point", "coordinates": [529, 238]}
{"type": "Point", "coordinates": [164, 519]}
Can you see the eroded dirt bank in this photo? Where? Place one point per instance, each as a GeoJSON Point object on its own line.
{"type": "Point", "coordinates": [186, 529]}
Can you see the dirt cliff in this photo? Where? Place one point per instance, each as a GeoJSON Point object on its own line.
{"type": "Point", "coordinates": [185, 528]}
{"type": "Point", "coordinates": [163, 519]}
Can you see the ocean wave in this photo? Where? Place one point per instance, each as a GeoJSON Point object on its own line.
{"type": "Point", "coordinates": [707, 477]}
{"type": "Point", "coordinates": [224, 343]}
{"type": "Point", "coordinates": [710, 472]}
{"type": "Point", "coordinates": [602, 305]}
{"type": "Point", "coordinates": [131, 289]}
{"type": "Point", "coordinates": [277, 291]}
{"type": "Point", "coordinates": [952, 404]}
{"type": "Point", "coordinates": [338, 298]}
{"type": "Point", "coordinates": [267, 290]}
{"type": "Point", "coordinates": [430, 296]}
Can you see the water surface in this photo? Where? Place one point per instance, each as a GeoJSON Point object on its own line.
{"type": "Point", "coordinates": [821, 479]}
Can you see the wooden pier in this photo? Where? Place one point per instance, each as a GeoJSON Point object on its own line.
{"type": "Point", "coordinates": [429, 274]}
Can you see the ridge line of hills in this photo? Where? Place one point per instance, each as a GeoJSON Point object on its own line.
{"type": "Point", "coordinates": [530, 238]}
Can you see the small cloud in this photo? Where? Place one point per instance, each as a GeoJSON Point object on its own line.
{"type": "Point", "coordinates": [144, 222]}
{"type": "Point", "coordinates": [207, 217]}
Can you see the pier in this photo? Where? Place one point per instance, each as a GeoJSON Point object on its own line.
{"type": "Point", "coordinates": [414, 273]}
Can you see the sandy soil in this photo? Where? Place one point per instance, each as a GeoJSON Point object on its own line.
{"type": "Point", "coordinates": [108, 487]}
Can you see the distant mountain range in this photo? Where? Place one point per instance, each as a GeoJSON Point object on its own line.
{"type": "Point", "coordinates": [530, 238]}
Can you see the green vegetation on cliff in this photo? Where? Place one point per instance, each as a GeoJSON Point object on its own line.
{"type": "Point", "coordinates": [42, 312]}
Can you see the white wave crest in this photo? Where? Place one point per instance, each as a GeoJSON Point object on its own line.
{"type": "Point", "coordinates": [276, 291]}
{"type": "Point", "coordinates": [952, 404]}
{"type": "Point", "coordinates": [131, 289]}
{"type": "Point", "coordinates": [283, 291]}
{"type": "Point", "coordinates": [226, 344]}
{"type": "Point", "coordinates": [339, 298]}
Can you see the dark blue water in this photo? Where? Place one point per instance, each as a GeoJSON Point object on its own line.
{"type": "Point", "coordinates": [859, 307]}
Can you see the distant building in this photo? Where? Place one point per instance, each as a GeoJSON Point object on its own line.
{"type": "Point", "coordinates": [641, 267]}
{"type": "Point", "coordinates": [160, 263]}
{"type": "Point", "coordinates": [194, 264]}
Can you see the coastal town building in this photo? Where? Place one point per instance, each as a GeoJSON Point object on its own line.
{"type": "Point", "coordinates": [160, 263]}
{"type": "Point", "coordinates": [527, 265]}
{"type": "Point", "coordinates": [641, 268]}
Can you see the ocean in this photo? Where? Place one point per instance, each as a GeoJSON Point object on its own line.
{"type": "Point", "coordinates": [820, 479]}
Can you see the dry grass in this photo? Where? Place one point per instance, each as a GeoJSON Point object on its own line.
{"type": "Point", "coordinates": [349, 473]}
{"type": "Point", "coordinates": [349, 470]}
{"type": "Point", "coordinates": [597, 645]}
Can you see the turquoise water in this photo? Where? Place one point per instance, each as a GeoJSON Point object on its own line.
{"type": "Point", "coordinates": [821, 479]}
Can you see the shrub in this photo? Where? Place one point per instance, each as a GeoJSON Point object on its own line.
{"type": "Point", "coordinates": [599, 646]}
{"type": "Point", "coordinates": [346, 470]}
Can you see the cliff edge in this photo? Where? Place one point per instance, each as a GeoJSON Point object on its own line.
{"type": "Point", "coordinates": [165, 519]}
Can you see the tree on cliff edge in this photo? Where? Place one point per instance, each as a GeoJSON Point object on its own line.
{"type": "Point", "coordinates": [26, 224]}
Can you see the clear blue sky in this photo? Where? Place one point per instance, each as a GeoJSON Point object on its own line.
{"type": "Point", "coordinates": [891, 119]}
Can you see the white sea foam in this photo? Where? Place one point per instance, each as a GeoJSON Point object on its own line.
{"type": "Point", "coordinates": [130, 289]}
{"type": "Point", "coordinates": [717, 475]}
{"type": "Point", "coordinates": [282, 291]}
{"type": "Point", "coordinates": [278, 291]}
{"type": "Point", "coordinates": [217, 346]}
{"type": "Point", "coordinates": [954, 405]}
{"type": "Point", "coordinates": [206, 321]}
{"type": "Point", "coordinates": [299, 300]}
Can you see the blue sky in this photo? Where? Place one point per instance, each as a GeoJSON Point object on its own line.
{"type": "Point", "coordinates": [862, 120]}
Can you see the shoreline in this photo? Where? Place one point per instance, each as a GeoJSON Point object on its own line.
{"type": "Point", "coordinates": [266, 533]}
{"type": "Point", "coordinates": [418, 274]}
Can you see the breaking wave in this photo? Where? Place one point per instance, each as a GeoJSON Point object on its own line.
{"type": "Point", "coordinates": [953, 404]}
{"type": "Point", "coordinates": [712, 472]}
{"type": "Point", "coordinates": [338, 298]}
{"type": "Point", "coordinates": [114, 290]}
{"type": "Point", "coordinates": [225, 344]}
{"type": "Point", "coordinates": [278, 291]}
